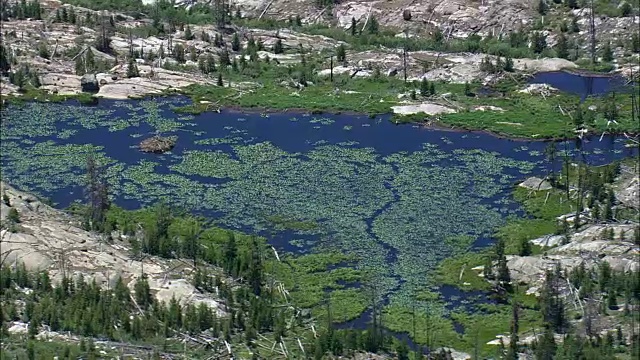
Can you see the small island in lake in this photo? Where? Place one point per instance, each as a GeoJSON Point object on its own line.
{"type": "Point", "coordinates": [158, 144]}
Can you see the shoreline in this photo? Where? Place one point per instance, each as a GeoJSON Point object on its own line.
{"type": "Point", "coordinates": [87, 99]}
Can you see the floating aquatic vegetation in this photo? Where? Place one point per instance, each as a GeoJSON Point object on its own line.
{"type": "Point", "coordinates": [348, 143]}
{"type": "Point", "coordinates": [398, 212]}
{"type": "Point", "coordinates": [218, 141]}
{"type": "Point", "coordinates": [323, 121]}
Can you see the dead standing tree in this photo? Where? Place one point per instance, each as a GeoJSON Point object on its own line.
{"type": "Point", "coordinates": [96, 193]}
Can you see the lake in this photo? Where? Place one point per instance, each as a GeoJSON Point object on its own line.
{"type": "Point", "coordinates": [581, 84]}
{"type": "Point", "coordinates": [400, 197]}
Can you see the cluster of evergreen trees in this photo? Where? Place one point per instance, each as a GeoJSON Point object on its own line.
{"type": "Point", "coordinates": [21, 10]}
{"type": "Point", "coordinates": [493, 68]}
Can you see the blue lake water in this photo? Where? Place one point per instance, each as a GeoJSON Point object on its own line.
{"type": "Point", "coordinates": [389, 194]}
{"type": "Point", "coordinates": [581, 84]}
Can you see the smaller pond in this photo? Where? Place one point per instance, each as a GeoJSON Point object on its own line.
{"type": "Point", "coordinates": [581, 84]}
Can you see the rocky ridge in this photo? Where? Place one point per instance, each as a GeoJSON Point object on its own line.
{"type": "Point", "coordinates": [47, 239]}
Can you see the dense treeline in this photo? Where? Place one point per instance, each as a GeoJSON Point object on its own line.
{"type": "Point", "coordinates": [21, 10]}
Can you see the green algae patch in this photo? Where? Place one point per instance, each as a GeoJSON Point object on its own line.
{"type": "Point", "coordinates": [317, 279]}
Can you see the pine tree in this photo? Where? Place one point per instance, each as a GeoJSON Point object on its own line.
{"type": "Point", "coordinates": [89, 60]}
{"type": "Point", "coordinates": [255, 268]}
{"type": "Point", "coordinates": [542, 7]}
{"type": "Point", "coordinates": [188, 35]}
{"type": "Point", "coordinates": [539, 42]}
{"type": "Point", "coordinates": [561, 48]}
{"type": "Point", "coordinates": [546, 348]}
{"type": "Point", "coordinates": [191, 240]}
{"type": "Point", "coordinates": [402, 350]}
{"type": "Point", "coordinates": [512, 353]}
{"type": "Point", "coordinates": [210, 63]}
{"type": "Point", "coordinates": [372, 25]}
{"type": "Point", "coordinates": [467, 89]}
{"type": "Point", "coordinates": [219, 82]}
{"type": "Point", "coordinates": [234, 65]}
{"type": "Point", "coordinates": [635, 43]}
{"type": "Point", "coordinates": [354, 25]}
{"type": "Point", "coordinates": [103, 39]}
{"type": "Point", "coordinates": [277, 47]}
{"type": "Point", "coordinates": [508, 64]}
{"type": "Point", "coordinates": [578, 117]}
{"type": "Point", "coordinates": [424, 87]}
{"type": "Point", "coordinates": [503, 276]}
{"type": "Point", "coordinates": [235, 42]}
{"type": "Point", "coordinates": [552, 304]}
{"type": "Point", "coordinates": [5, 63]}
{"type": "Point", "coordinates": [178, 53]}
{"type": "Point", "coordinates": [143, 293]}
{"type": "Point", "coordinates": [575, 27]}
{"type": "Point", "coordinates": [341, 53]}
{"type": "Point", "coordinates": [230, 253]}
{"type": "Point", "coordinates": [607, 53]}
{"type": "Point", "coordinates": [625, 9]}
{"type": "Point", "coordinates": [132, 69]}
{"type": "Point", "coordinates": [224, 58]}
{"type": "Point", "coordinates": [525, 247]}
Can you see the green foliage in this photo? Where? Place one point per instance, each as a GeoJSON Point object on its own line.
{"type": "Point", "coordinates": [607, 53]}
{"type": "Point", "coordinates": [235, 42]}
{"type": "Point", "coordinates": [43, 50]}
{"type": "Point", "coordinates": [5, 60]}
{"type": "Point", "coordinates": [508, 64]}
{"type": "Point", "coordinates": [561, 47]}
{"type": "Point", "coordinates": [188, 35]}
{"type": "Point", "coordinates": [373, 26]}
{"type": "Point", "coordinates": [626, 9]}
{"type": "Point", "coordinates": [634, 43]}
{"type": "Point", "coordinates": [449, 270]}
{"type": "Point", "coordinates": [341, 53]}
{"type": "Point", "coordinates": [539, 41]}
{"type": "Point", "coordinates": [179, 53]}
{"type": "Point", "coordinates": [13, 216]}
{"type": "Point", "coordinates": [132, 68]}
{"type": "Point", "coordinates": [542, 7]}
{"type": "Point", "coordinates": [277, 47]}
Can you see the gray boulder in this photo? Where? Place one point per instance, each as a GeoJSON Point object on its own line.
{"type": "Point", "coordinates": [534, 183]}
{"type": "Point", "coordinates": [89, 83]}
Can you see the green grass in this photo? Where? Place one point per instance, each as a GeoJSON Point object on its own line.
{"type": "Point", "coordinates": [368, 97]}
{"type": "Point", "coordinates": [479, 328]}
{"type": "Point", "coordinates": [282, 222]}
{"type": "Point", "coordinates": [537, 204]}
{"type": "Point", "coordinates": [483, 327]}
{"type": "Point", "coordinates": [309, 280]}
{"type": "Point", "coordinates": [524, 115]}
{"type": "Point", "coordinates": [544, 207]}
{"type": "Point", "coordinates": [449, 271]}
